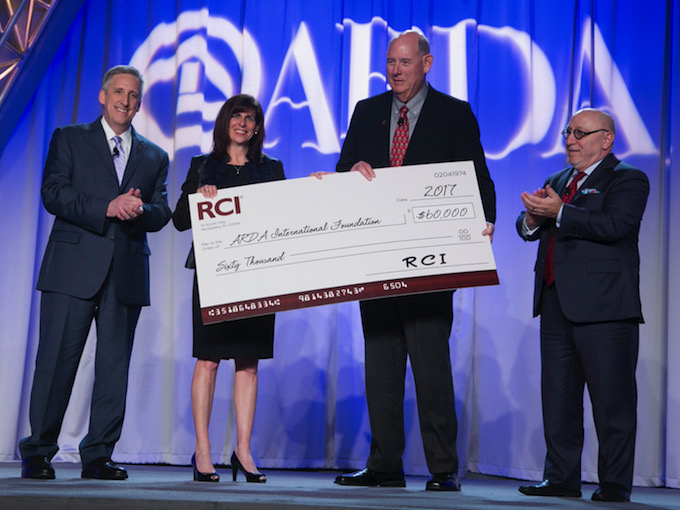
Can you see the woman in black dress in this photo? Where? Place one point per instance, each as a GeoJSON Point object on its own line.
{"type": "Point", "coordinates": [236, 159]}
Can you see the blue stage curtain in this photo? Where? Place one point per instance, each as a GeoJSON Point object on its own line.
{"type": "Point", "coordinates": [525, 67]}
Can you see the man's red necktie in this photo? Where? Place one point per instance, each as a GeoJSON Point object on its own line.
{"type": "Point", "coordinates": [548, 268]}
{"type": "Point", "coordinates": [400, 140]}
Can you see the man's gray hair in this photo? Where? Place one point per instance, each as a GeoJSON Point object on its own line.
{"type": "Point", "coordinates": [108, 77]}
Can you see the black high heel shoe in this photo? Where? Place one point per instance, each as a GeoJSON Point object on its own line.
{"type": "Point", "coordinates": [203, 477]}
{"type": "Point", "coordinates": [250, 477]}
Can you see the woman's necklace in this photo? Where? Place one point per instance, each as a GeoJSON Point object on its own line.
{"type": "Point", "coordinates": [237, 168]}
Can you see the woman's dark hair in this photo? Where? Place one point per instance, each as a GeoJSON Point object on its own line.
{"type": "Point", "coordinates": [238, 104]}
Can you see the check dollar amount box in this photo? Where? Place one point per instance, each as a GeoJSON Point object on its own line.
{"type": "Point", "coordinates": [270, 247]}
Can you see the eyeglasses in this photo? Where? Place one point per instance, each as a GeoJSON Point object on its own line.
{"type": "Point", "coordinates": [578, 134]}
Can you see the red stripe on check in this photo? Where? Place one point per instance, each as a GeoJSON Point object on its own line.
{"type": "Point", "coordinates": [345, 293]}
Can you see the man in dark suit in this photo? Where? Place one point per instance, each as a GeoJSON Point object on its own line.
{"type": "Point", "coordinates": [433, 128]}
{"type": "Point", "coordinates": [587, 293]}
{"type": "Point", "coordinates": [106, 186]}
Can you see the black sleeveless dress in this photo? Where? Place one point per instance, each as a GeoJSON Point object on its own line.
{"type": "Point", "coordinates": [251, 337]}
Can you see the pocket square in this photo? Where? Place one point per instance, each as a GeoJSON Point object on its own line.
{"type": "Point", "coordinates": [589, 191]}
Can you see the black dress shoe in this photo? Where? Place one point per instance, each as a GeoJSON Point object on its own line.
{"type": "Point", "coordinates": [609, 491]}
{"type": "Point", "coordinates": [38, 467]}
{"type": "Point", "coordinates": [443, 482]}
{"type": "Point", "coordinates": [546, 488]}
{"type": "Point", "coordinates": [369, 478]}
{"type": "Point", "coordinates": [103, 468]}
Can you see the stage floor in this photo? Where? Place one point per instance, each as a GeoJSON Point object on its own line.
{"type": "Point", "coordinates": [153, 487]}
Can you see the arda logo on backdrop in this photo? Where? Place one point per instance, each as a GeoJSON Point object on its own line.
{"type": "Point", "coordinates": [192, 65]}
{"type": "Point", "coordinates": [188, 77]}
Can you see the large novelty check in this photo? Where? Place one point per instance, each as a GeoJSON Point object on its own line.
{"type": "Point", "coordinates": [282, 245]}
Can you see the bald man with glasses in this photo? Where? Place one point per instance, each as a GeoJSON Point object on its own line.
{"type": "Point", "coordinates": [587, 292]}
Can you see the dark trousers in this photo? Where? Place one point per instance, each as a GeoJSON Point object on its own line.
{"type": "Point", "coordinates": [417, 327]}
{"type": "Point", "coordinates": [64, 325]}
{"type": "Point", "coordinates": [603, 356]}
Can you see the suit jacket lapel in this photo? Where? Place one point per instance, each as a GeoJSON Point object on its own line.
{"type": "Point", "coordinates": [560, 184]}
{"type": "Point", "coordinates": [136, 153]}
{"type": "Point", "coordinates": [383, 129]}
{"type": "Point", "coordinates": [424, 127]}
{"type": "Point", "coordinates": [597, 176]}
{"type": "Point", "coordinates": [101, 147]}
